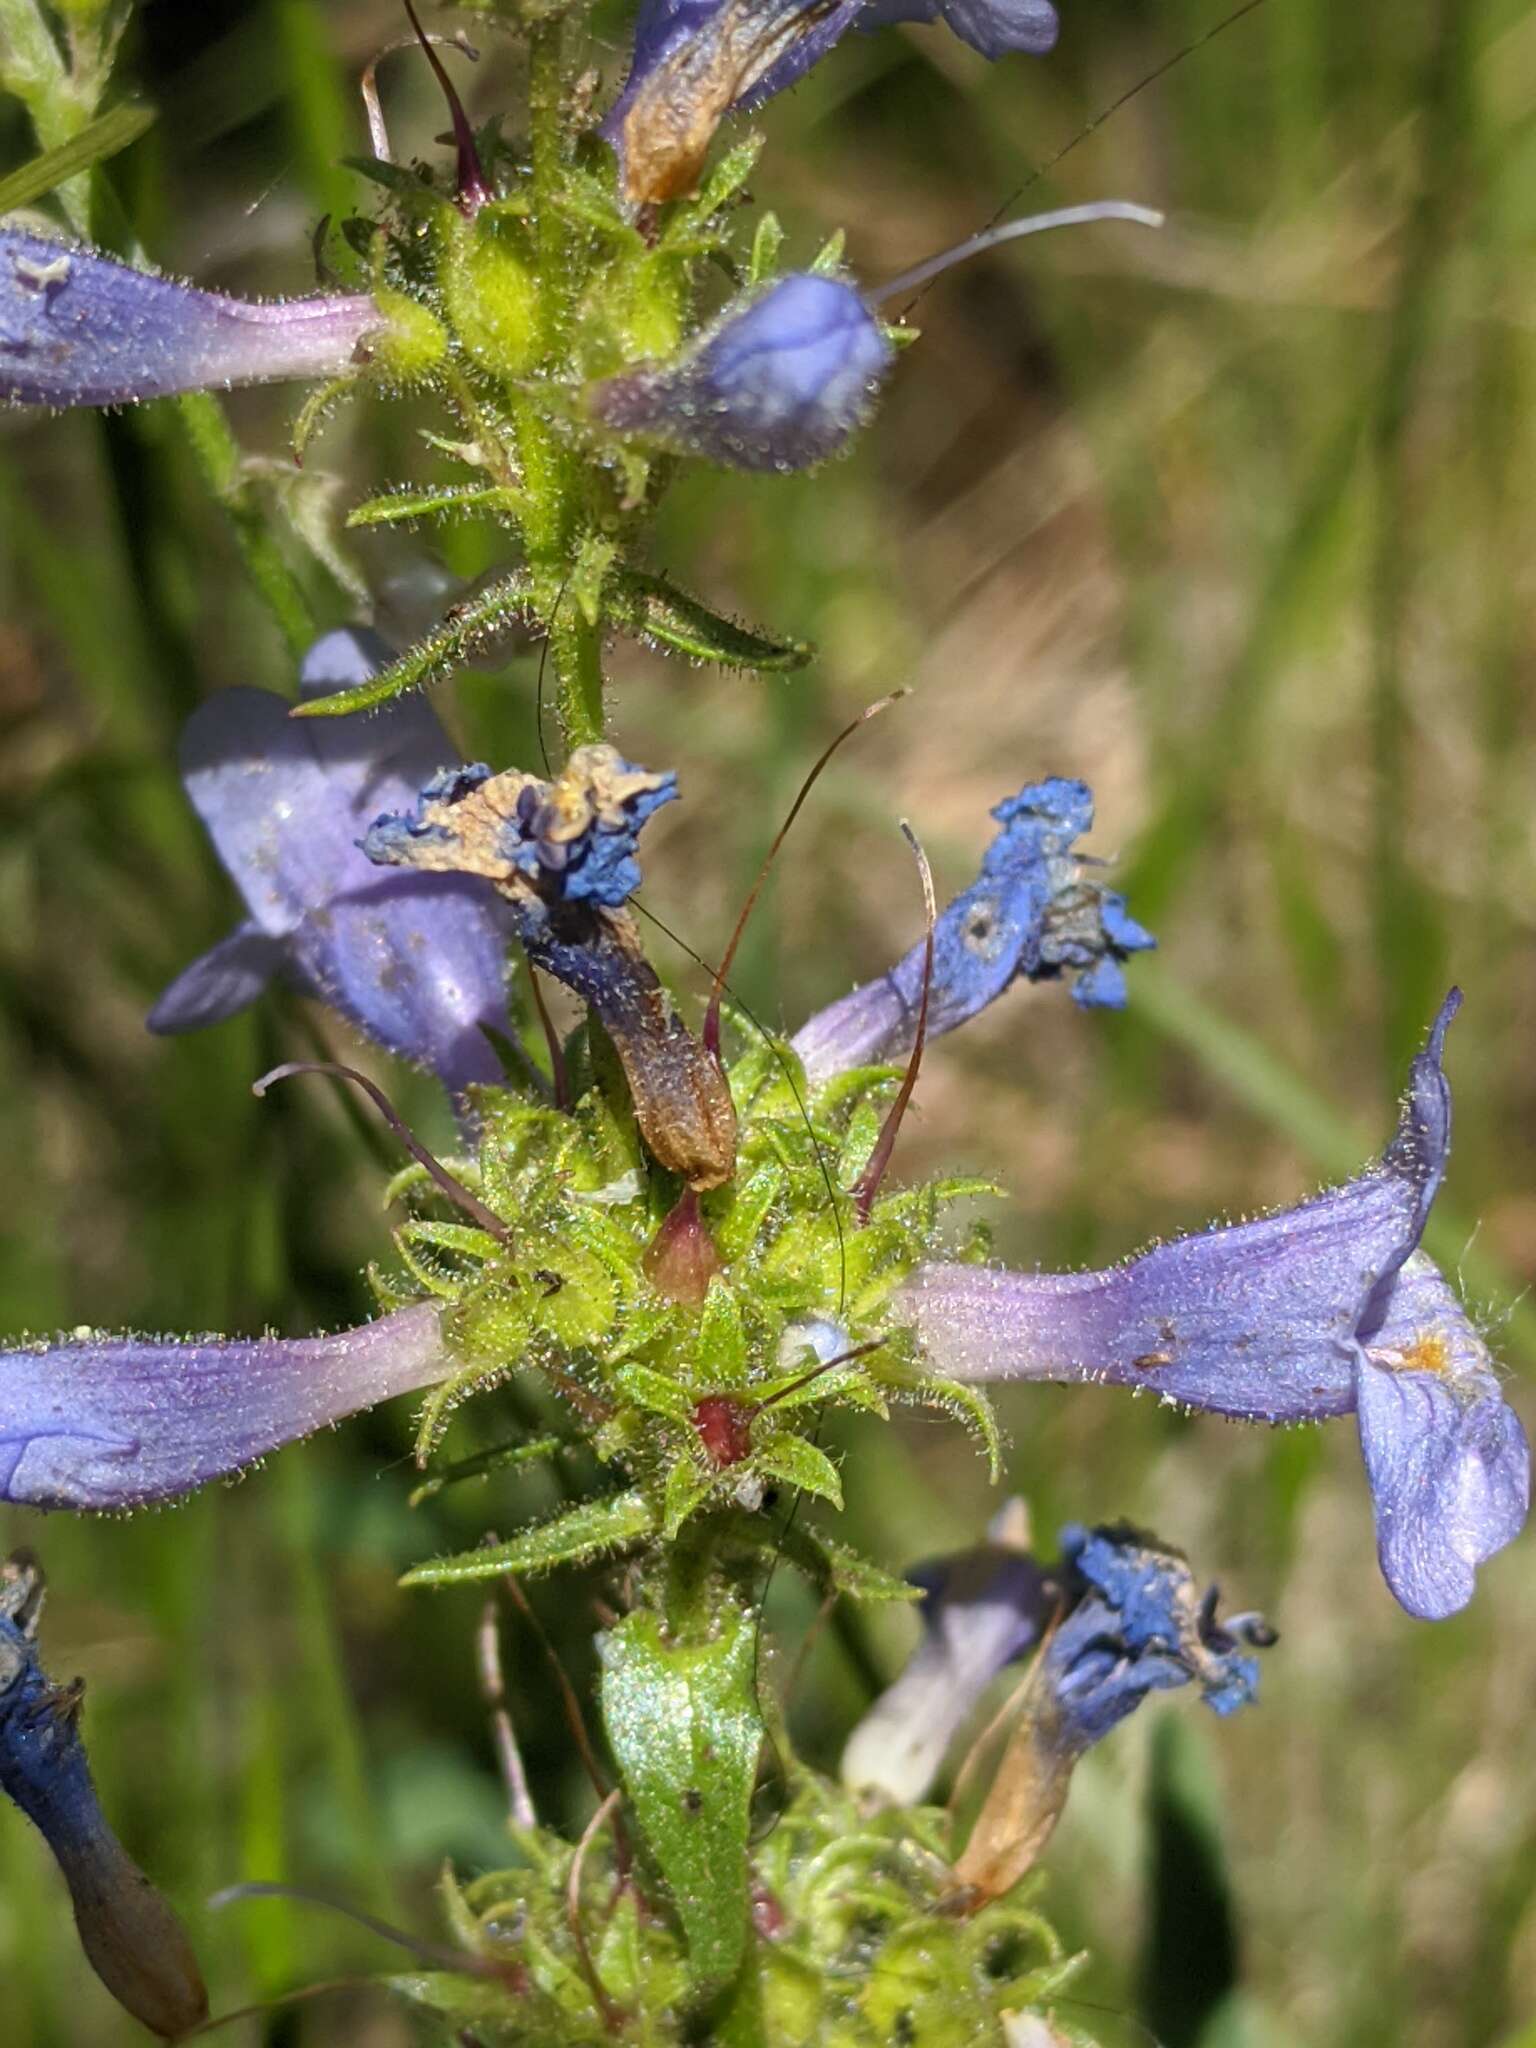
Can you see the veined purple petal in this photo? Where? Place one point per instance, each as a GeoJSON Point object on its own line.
{"type": "Point", "coordinates": [780, 382]}
{"type": "Point", "coordinates": [227, 979]}
{"type": "Point", "coordinates": [1446, 1457]}
{"type": "Point", "coordinates": [80, 328]}
{"type": "Point", "coordinates": [115, 1422]}
{"type": "Point", "coordinates": [1033, 913]}
{"type": "Point", "coordinates": [416, 962]}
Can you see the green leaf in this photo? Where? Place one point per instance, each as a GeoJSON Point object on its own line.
{"type": "Point", "coordinates": [685, 1730]}
{"type": "Point", "coordinates": [651, 608]}
{"type": "Point", "coordinates": [582, 1532]}
{"type": "Point", "coordinates": [798, 1462]}
{"type": "Point", "coordinates": [476, 618]}
{"type": "Point", "coordinates": [439, 500]}
{"type": "Point", "coordinates": [93, 144]}
{"type": "Point", "coordinates": [499, 1458]}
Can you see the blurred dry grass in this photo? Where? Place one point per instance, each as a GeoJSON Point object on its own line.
{"type": "Point", "coordinates": [1234, 521]}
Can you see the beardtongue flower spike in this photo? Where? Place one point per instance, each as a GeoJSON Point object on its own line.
{"type": "Point", "coordinates": [1132, 1623]}
{"type": "Point", "coordinates": [80, 328]}
{"type": "Point", "coordinates": [416, 962]}
{"type": "Point", "coordinates": [1325, 1310]}
{"type": "Point", "coordinates": [695, 61]}
{"type": "Point", "coordinates": [133, 1940]}
{"type": "Point", "coordinates": [562, 855]}
{"type": "Point", "coordinates": [100, 1422]}
{"type": "Point", "coordinates": [982, 1609]}
{"type": "Point", "coordinates": [1034, 913]}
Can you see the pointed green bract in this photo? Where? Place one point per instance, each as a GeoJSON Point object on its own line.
{"type": "Point", "coordinates": [591, 1530]}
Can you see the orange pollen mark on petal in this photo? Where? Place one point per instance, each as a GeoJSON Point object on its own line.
{"type": "Point", "coordinates": [1429, 1352]}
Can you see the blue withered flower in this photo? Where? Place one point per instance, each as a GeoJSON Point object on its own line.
{"type": "Point", "coordinates": [1325, 1310]}
{"type": "Point", "coordinates": [416, 962]}
{"type": "Point", "coordinates": [562, 856]}
{"type": "Point", "coordinates": [133, 1940]}
{"type": "Point", "coordinates": [80, 328]}
{"type": "Point", "coordinates": [1034, 912]}
{"type": "Point", "coordinates": [779, 382]}
{"type": "Point", "coordinates": [695, 61]}
{"type": "Point", "coordinates": [1118, 1618]}
{"type": "Point", "coordinates": [101, 1422]}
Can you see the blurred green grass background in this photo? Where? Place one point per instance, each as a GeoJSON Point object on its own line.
{"type": "Point", "coordinates": [1234, 521]}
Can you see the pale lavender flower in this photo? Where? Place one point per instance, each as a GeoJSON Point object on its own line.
{"type": "Point", "coordinates": [416, 962]}
{"type": "Point", "coordinates": [80, 328]}
{"type": "Point", "coordinates": [1325, 1310]}
{"type": "Point", "coordinates": [97, 1422]}
{"type": "Point", "coordinates": [1034, 913]}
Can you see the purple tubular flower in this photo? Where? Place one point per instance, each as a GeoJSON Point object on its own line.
{"type": "Point", "coordinates": [562, 856]}
{"type": "Point", "coordinates": [415, 962]}
{"type": "Point", "coordinates": [80, 328]}
{"type": "Point", "coordinates": [697, 60]}
{"type": "Point", "coordinates": [1329, 1309]}
{"type": "Point", "coordinates": [982, 1609]}
{"type": "Point", "coordinates": [115, 1422]}
{"type": "Point", "coordinates": [133, 1940]}
{"type": "Point", "coordinates": [780, 381]}
{"type": "Point", "coordinates": [1032, 912]}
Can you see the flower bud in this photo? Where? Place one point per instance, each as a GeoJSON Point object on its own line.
{"type": "Point", "coordinates": [780, 381]}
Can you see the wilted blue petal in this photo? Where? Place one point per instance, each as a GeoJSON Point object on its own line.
{"type": "Point", "coordinates": [114, 1422]}
{"type": "Point", "coordinates": [133, 1940]}
{"type": "Point", "coordinates": [983, 1608]}
{"type": "Point", "coordinates": [562, 855]}
{"type": "Point", "coordinates": [1137, 1625]}
{"type": "Point", "coordinates": [415, 962]}
{"type": "Point", "coordinates": [779, 382]}
{"type": "Point", "coordinates": [1033, 912]}
{"type": "Point", "coordinates": [697, 60]}
{"type": "Point", "coordinates": [1294, 1317]}
{"type": "Point", "coordinates": [79, 328]}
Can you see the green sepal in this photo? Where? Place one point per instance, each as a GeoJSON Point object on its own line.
{"type": "Point", "coordinates": [828, 260]}
{"type": "Point", "coordinates": [586, 1531]}
{"type": "Point", "coordinates": [685, 1730]}
{"type": "Point", "coordinates": [500, 1458]}
{"type": "Point", "coordinates": [438, 501]}
{"type": "Point", "coordinates": [718, 189]}
{"type": "Point", "coordinates": [767, 241]}
{"type": "Point", "coordinates": [972, 1408]}
{"type": "Point", "coordinates": [312, 413]}
{"type": "Point", "coordinates": [473, 619]}
{"type": "Point", "coordinates": [589, 573]}
{"type": "Point", "coordinates": [688, 1487]}
{"type": "Point", "coordinates": [651, 608]}
{"type": "Point", "coordinates": [796, 1461]}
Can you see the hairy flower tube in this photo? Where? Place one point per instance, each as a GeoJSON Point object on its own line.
{"type": "Point", "coordinates": [1032, 914]}
{"type": "Point", "coordinates": [562, 856]}
{"type": "Point", "coordinates": [779, 382]}
{"type": "Point", "coordinates": [133, 1940]}
{"type": "Point", "coordinates": [1325, 1310]}
{"type": "Point", "coordinates": [695, 61]}
{"type": "Point", "coordinates": [96, 1421]}
{"type": "Point", "coordinates": [80, 328]}
{"type": "Point", "coordinates": [415, 962]}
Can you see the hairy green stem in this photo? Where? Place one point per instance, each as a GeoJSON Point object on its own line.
{"type": "Point", "coordinates": [218, 457]}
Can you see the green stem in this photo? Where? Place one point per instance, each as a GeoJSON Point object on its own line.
{"type": "Point", "coordinates": [686, 1600]}
{"type": "Point", "coordinates": [554, 475]}
{"type": "Point", "coordinates": [218, 457]}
